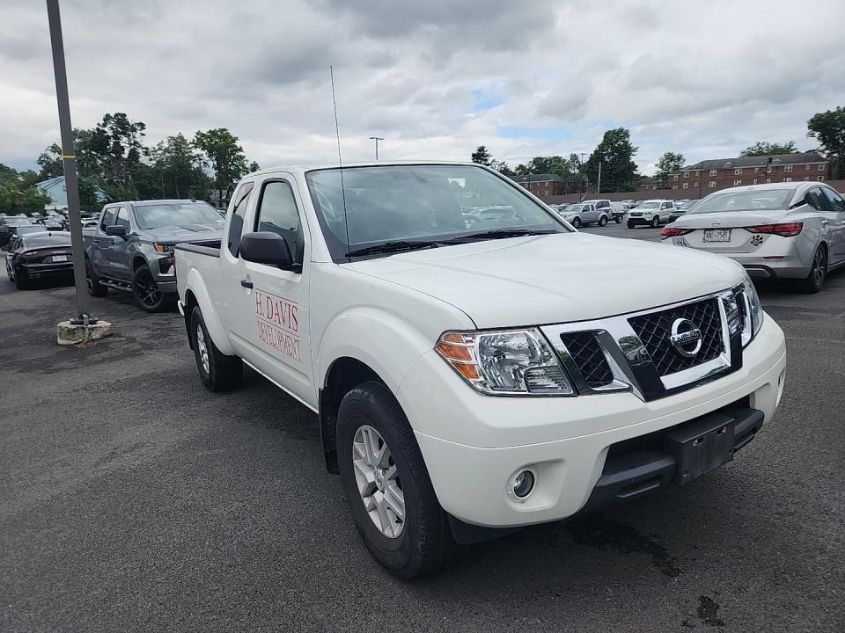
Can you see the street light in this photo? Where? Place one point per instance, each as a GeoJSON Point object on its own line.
{"type": "Point", "coordinates": [376, 139]}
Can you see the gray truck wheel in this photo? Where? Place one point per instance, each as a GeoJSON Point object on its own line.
{"type": "Point", "coordinates": [386, 483]}
{"type": "Point", "coordinates": [95, 288]}
{"type": "Point", "coordinates": [576, 222]}
{"type": "Point", "coordinates": [655, 222]}
{"type": "Point", "coordinates": [217, 371]}
{"type": "Point", "coordinates": [147, 294]}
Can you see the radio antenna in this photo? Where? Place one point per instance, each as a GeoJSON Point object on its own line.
{"type": "Point", "coordinates": [339, 159]}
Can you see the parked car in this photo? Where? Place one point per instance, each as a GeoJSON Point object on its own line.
{"type": "Point", "coordinates": [583, 213]}
{"type": "Point", "coordinates": [35, 255]}
{"type": "Point", "coordinates": [9, 227]}
{"type": "Point", "coordinates": [603, 205]}
{"type": "Point", "coordinates": [784, 230]}
{"type": "Point", "coordinates": [619, 210]}
{"type": "Point", "coordinates": [471, 381]}
{"type": "Point", "coordinates": [651, 212]}
{"type": "Point", "coordinates": [681, 208]}
{"type": "Point", "coordinates": [131, 249]}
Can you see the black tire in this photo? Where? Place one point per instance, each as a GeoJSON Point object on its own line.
{"type": "Point", "coordinates": [147, 294]}
{"type": "Point", "coordinates": [223, 372]}
{"type": "Point", "coordinates": [22, 281]}
{"type": "Point", "coordinates": [655, 222]}
{"type": "Point", "coordinates": [576, 222]}
{"type": "Point", "coordinates": [603, 220]}
{"type": "Point", "coordinates": [95, 288]}
{"type": "Point", "coordinates": [618, 220]}
{"type": "Point", "coordinates": [631, 224]}
{"type": "Point", "coordinates": [425, 543]}
{"type": "Point", "coordinates": [818, 272]}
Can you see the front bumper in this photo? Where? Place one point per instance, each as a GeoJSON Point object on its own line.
{"type": "Point", "coordinates": [640, 220]}
{"type": "Point", "coordinates": [474, 444]}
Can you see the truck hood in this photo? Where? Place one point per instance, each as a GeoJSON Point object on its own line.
{"type": "Point", "coordinates": [185, 233]}
{"type": "Point", "coordinates": [555, 278]}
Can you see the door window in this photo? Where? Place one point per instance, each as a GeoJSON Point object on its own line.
{"type": "Point", "coordinates": [277, 213]}
{"type": "Point", "coordinates": [108, 217]}
{"type": "Point", "coordinates": [817, 200]}
{"type": "Point", "coordinates": [122, 218]}
{"type": "Point", "coordinates": [835, 201]}
{"type": "Point", "coordinates": [236, 224]}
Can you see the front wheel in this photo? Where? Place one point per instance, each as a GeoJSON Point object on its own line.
{"type": "Point", "coordinates": [818, 272]}
{"type": "Point", "coordinates": [603, 220]}
{"type": "Point", "coordinates": [655, 222]}
{"type": "Point", "coordinates": [147, 294]}
{"type": "Point", "coordinates": [217, 371]}
{"type": "Point", "coordinates": [390, 495]}
{"type": "Point", "coordinates": [95, 288]}
{"type": "Point", "coordinates": [576, 222]}
{"type": "Point", "coordinates": [631, 224]}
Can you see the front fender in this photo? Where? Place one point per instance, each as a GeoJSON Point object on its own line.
{"type": "Point", "coordinates": [386, 343]}
{"type": "Point", "coordinates": [197, 287]}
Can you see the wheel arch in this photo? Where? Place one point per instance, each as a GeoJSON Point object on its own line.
{"type": "Point", "coordinates": [344, 374]}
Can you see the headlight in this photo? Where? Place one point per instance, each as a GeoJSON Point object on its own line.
{"type": "Point", "coordinates": [505, 362]}
{"type": "Point", "coordinates": [163, 248]}
{"type": "Point", "coordinates": [752, 311]}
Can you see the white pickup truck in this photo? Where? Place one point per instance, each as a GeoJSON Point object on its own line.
{"type": "Point", "coordinates": [470, 374]}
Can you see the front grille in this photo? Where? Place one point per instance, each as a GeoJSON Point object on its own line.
{"type": "Point", "coordinates": [588, 358]}
{"type": "Point", "coordinates": [654, 330]}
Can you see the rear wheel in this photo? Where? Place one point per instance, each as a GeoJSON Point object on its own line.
{"type": "Point", "coordinates": [146, 291]}
{"type": "Point", "coordinates": [387, 485]}
{"type": "Point", "coordinates": [22, 280]}
{"type": "Point", "coordinates": [217, 371]}
{"type": "Point", "coordinates": [603, 220]}
{"type": "Point", "coordinates": [655, 222]}
{"type": "Point", "coordinates": [95, 288]}
{"type": "Point", "coordinates": [618, 219]}
{"type": "Point", "coordinates": [576, 222]}
{"type": "Point", "coordinates": [818, 271]}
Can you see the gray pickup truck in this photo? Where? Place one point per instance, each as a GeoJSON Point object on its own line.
{"type": "Point", "coordinates": [131, 248]}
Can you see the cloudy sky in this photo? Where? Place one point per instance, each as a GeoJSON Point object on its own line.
{"type": "Point", "coordinates": [436, 78]}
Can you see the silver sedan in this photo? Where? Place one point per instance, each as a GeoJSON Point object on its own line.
{"type": "Point", "coordinates": [792, 230]}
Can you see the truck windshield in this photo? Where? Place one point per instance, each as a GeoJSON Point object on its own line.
{"type": "Point", "coordinates": [424, 204]}
{"type": "Point", "coordinates": [156, 216]}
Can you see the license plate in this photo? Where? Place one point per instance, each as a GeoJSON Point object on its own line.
{"type": "Point", "coordinates": [717, 235]}
{"type": "Point", "coordinates": [701, 446]}
{"type": "Point", "coordinates": [59, 258]}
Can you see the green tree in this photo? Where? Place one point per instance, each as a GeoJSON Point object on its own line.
{"type": "Point", "coordinates": [618, 169]}
{"type": "Point", "coordinates": [178, 166]}
{"type": "Point", "coordinates": [88, 200]}
{"type": "Point", "coordinates": [254, 167]}
{"type": "Point", "coordinates": [503, 168]}
{"type": "Point", "coordinates": [482, 156]}
{"type": "Point", "coordinates": [666, 164]}
{"type": "Point", "coordinates": [223, 154]}
{"type": "Point", "coordinates": [764, 148]}
{"type": "Point", "coordinates": [828, 128]}
{"type": "Point", "coordinates": [17, 195]}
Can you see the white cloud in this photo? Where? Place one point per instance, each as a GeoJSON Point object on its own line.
{"type": "Point", "coordinates": [704, 79]}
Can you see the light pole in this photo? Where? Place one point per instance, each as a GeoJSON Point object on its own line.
{"type": "Point", "coordinates": [69, 164]}
{"type": "Point", "coordinates": [376, 139]}
{"type": "Point", "coordinates": [598, 184]}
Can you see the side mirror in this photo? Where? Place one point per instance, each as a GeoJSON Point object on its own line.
{"type": "Point", "coordinates": [266, 247]}
{"type": "Point", "coordinates": [116, 230]}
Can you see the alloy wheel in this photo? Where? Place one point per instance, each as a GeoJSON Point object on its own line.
{"type": "Point", "coordinates": [819, 267]}
{"type": "Point", "coordinates": [378, 481]}
{"type": "Point", "coordinates": [146, 289]}
{"type": "Point", "coordinates": [202, 348]}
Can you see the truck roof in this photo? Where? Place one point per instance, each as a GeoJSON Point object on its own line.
{"type": "Point", "coordinates": [380, 163]}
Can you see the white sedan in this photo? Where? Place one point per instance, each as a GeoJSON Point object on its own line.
{"type": "Point", "coordinates": [791, 230]}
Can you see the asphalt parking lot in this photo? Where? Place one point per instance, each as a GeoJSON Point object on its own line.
{"type": "Point", "coordinates": [133, 499]}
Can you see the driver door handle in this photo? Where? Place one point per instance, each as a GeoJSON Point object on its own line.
{"type": "Point", "coordinates": [246, 283]}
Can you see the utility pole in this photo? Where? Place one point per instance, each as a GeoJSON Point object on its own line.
{"type": "Point", "coordinates": [83, 314]}
{"type": "Point", "coordinates": [376, 139]}
{"type": "Point", "coordinates": [598, 185]}
{"type": "Point", "coordinates": [582, 180]}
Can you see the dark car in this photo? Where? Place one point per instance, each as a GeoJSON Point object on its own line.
{"type": "Point", "coordinates": [39, 255]}
{"type": "Point", "coordinates": [9, 227]}
{"type": "Point", "coordinates": [131, 249]}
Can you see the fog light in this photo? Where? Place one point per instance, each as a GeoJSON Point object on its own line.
{"type": "Point", "coordinates": [523, 484]}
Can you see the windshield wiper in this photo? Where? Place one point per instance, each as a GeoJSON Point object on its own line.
{"type": "Point", "coordinates": [498, 234]}
{"type": "Point", "coordinates": [394, 246]}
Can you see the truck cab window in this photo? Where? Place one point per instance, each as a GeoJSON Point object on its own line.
{"type": "Point", "coordinates": [236, 224]}
{"type": "Point", "coordinates": [122, 218]}
{"type": "Point", "coordinates": [277, 213]}
{"type": "Point", "coordinates": [108, 218]}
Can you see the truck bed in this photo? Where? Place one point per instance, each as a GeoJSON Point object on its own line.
{"type": "Point", "coordinates": [210, 248]}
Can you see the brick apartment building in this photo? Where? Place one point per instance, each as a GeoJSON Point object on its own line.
{"type": "Point", "coordinates": [544, 184]}
{"type": "Point", "coordinates": [708, 176]}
